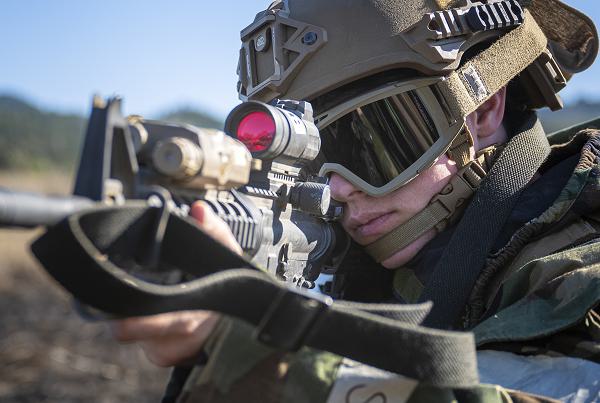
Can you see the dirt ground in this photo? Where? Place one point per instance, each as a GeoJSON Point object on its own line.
{"type": "Point", "coordinates": [47, 352]}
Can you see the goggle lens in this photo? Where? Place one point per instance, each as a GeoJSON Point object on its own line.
{"type": "Point", "coordinates": [380, 140]}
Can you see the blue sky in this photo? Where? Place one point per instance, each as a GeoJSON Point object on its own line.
{"type": "Point", "coordinates": [158, 55]}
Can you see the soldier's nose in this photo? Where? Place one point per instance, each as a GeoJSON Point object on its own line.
{"type": "Point", "coordinates": [342, 190]}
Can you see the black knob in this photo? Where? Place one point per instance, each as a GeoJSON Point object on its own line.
{"type": "Point", "coordinates": [312, 198]}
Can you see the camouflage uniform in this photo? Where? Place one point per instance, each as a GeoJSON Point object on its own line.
{"type": "Point", "coordinates": [536, 296]}
{"type": "Point", "coordinates": [545, 283]}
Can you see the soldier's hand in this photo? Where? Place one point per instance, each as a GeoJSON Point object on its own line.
{"type": "Point", "coordinates": [176, 338]}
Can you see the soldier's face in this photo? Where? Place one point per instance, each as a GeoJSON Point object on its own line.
{"type": "Point", "coordinates": [367, 218]}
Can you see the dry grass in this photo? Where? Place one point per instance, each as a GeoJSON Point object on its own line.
{"type": "Point", "coordinates": [47, 353]}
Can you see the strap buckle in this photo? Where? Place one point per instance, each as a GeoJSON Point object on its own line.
{"type": "Point", "coordinates": [456, 193]}
{"type": "Point", "coordinates": [455, 196]}
{"type": "Point", "coordinates": [290, 319]}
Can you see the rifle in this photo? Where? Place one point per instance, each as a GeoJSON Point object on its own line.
{"type": "Point", "coordinates": [280, 215]}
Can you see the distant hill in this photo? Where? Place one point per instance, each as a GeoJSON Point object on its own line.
{"type": "Point", "coordinates": [35, 139]}
{"type": "Point", "coordinates": [31, 138]}
{"type": "Point", "coordinates": [572, 114]}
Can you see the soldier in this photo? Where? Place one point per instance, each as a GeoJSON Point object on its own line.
{"type": "Point", "coordinates": [451, 192]}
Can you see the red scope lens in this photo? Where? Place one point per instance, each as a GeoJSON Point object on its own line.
{"type": "Point", "coordinates": [256, 131]}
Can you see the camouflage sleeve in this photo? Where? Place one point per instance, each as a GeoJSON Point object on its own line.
{"type": "Point", "coordinates": [240, 369]}
{"type": "Point", "coordinates": [556, 307]}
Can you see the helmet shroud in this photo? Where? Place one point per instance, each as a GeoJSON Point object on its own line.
{"type": "Point", "coordinates": [301, 49]}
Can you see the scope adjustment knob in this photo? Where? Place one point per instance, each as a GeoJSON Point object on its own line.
{"type": "Point", "coordinates": [311, 197]}
{"type": "Point", "coordinates": [177, 158]}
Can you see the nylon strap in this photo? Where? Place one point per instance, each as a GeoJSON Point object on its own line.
{"type": "Point", "coordinates": [82, 253]}
{"type": "Point", "coordinates": [458, 268]}
{"type": "Point", "coordinates": [405, 234]}
{"type": "Point", "coordinates": [481, 77]}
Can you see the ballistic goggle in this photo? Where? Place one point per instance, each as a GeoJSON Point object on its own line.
{"type": "Point", "coordinates": [384, 138]}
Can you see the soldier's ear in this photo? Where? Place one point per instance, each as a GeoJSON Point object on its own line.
{"type": "Point", "coordinates": [486, 121]}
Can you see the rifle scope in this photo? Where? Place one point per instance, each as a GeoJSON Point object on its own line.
{"type": "Point", "coordinates": [285, 132]}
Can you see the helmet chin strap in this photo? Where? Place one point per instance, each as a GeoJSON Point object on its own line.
{"type": "Point", "coordinates": [470, 86]}
{"type": "Point", "coordinates": [445, 207]}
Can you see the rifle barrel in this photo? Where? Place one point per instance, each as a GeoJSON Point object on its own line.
{"type": "Point", "coordinates": [24, 209]}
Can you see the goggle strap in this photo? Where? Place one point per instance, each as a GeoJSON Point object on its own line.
{"type": "Point", "coordinates": [481, 77]}
{"type": "Point", "coordinates": [440, 211]}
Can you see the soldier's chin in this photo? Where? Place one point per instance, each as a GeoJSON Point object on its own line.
{"type": "Point", "coordinates": [404, 256]}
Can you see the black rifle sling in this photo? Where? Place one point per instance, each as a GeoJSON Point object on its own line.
{"type": "Point", "coordinates": [457, 270]}
{"type": "Point", "coordinates": [90, 254]}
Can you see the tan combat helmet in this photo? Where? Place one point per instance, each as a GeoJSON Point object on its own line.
{"type": "Point", "coordinates": [299, 49]}
{"type": "Point", "coordinates": [391, 78]}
